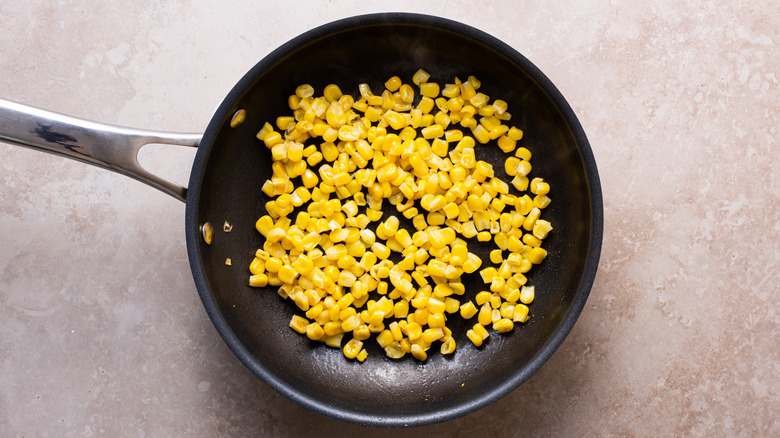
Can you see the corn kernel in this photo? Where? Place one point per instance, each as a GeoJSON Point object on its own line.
{"type": "Point", "coordinates": [468, 310]}
{"type": "Point", "coordinates": [527, 294]}
{"type": "Point", "coordinates": [474, 338]}
{"type": "Point", "coordinates": [485, 314]}
{"type": "Point", "coordinates": [418, 352]}
{"type": "Point", "coordinates": [299, 324]}
{"type": "Point", "coordinates": [352, 348]}
{"type": "Point", "coordinates": [429, 89]}
{"type": "Point", "coordinates": [433, 131]}
{"type": "Point", "coordinates": [541, 201]}
{"type": "Point", "coordinates": [480, 331]}
{"type": "Point", "coordinates": [467, 90]}
{"type": "Point", "coordinates": [503, 325]}
{"type": "Point", "coordinates": [315, 332]}
{"type": "Point", "coordinates": [448, 346]}
{"type": "Point", "coordinates": [515, 134]}
{"type": "Point", "coordinates": [520, 313]}
{"type": "Point", "coordinates": [420, 77]}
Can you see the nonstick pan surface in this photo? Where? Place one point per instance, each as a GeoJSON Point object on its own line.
{"type": "Point", "coordinates": [231, 165]}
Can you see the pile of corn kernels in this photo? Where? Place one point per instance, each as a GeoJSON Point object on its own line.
{"type": "Point", "coordinates": [356, 272]}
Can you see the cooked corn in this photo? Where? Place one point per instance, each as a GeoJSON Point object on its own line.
{"type": "Point", "coordinates": [336, 159]}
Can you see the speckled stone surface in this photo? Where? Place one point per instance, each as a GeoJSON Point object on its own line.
{"type": "Point", "coordinates": [101, 329]}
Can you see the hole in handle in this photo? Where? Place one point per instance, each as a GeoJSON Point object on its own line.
{"type": "Point", "coordinates": [170, 162]}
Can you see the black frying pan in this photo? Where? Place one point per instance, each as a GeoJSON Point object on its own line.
{"type": "Point", "coordinates": [231, 165]}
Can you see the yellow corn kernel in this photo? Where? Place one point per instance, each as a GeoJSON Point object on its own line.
{"type": "Point", "coordinates": [523, 167]}
{"type": "Point", "coordinates": [541, 201]}
{"type": "Point", "coordinates": [451, 305]}
{"type": "Point", "coordinates": [520, 182]}
{"type": "Point", "coordinates": [395, 331]}
{"type": "Point", "coordinates": [541, 229]}
{"type": "Point", "coordinates": [531, 218]}
{"type": "Point", "coordinates": [413, 331]}
{"type": "Point", "coordinates": [520, 313]}
{"type": "Point", "coordinates": [380, 250]}
{"type": "Point", "coordinates": [299, 324]}
{"type": "Point", "coordinates": [273, 280]}
{"type": "Point", "coordinates": [485, 314]}
{"type": "Point", "coordinates": [480, 331]}
{"type": "Point", "coordinates": [539, 187]}
{"type": "Point", "coordinates": [503, 325]}
{"type": "Point", "coordinates": [515, 134]}
{"type": "Point", "coordinates": [435, 306]}
{"type": "Point", "coordinates": [482, 297]}
{"type": "Point", "coordinates": [510, 166]}
{"type": "Point", "coordinates": [484, 236]}
{"type": "Point", "coordinates": [448, 346]}
{"type": "Point", "coordinates": [531, 240]}
{"type": "Point", "coordinates": [475, 83]}
{"type": "Point", "coordinates": [314, 331]}
{"type": "Point", "coordinates": [490, 123]}
{"type": "Point", "coordinates": [479, 100]}
{"type": "Point", "coordinates": [524, 155]}
{"type": "Point", "coordinates": [451, 90]}
{"type": "Point", "coordinates": [420, 77]}
{"type": "Point", "coordinates": [505, 143]}
{"type": "Point", "coordinates": [498, 283]}
{"type": "Point", "coordinates": [373, 215]}
{"type": "Point", "coordinates": [315, 310]}
{"type": "Point", "coordinates": [283, 122]}
{"type": "Point", "coordinates": [351, 323]}
{"type": "Point", "coordinates": [467, 90]}
{"type": "Point", "coordinates": [504, 271]}
{"type": "Point", "coordinates": [395, 350]}
{"type": "Point", "coordinates": [468, 310]}
{"type": "Point", "coordinates": [418, 352]}
{"type": "Point", "coordinates": [346, 279]}
{"type": "Point", "coordinates": [472, 263]}
{"type": "Point", "coordinates": [527, 294]}
{"type": "Point", "coordinates": [499, 106]}
{"type": "Point", "coordinates": [334, 341]}
{"type": "Point", "coordinates": [264, 132]}
{"type": "Point", "coordinates": [474, 338]}
{"type": "Point", "coordinates": [332, 92]}
{"type": "Point", "coordinates": [396, 120]}
{"type": "Point", "coordinates": [429, 89]}
{"type": "Point", "coordinates": [272, 139]}
{"type": "Point", "coordinates": [393, 84]}
{"type": "Point", "coordinates": [496, 256]}
{"type": "Point", "coordinates": [287, 274]}
{"type": "Point", "coordinates": [258, 280]}
{"type": "Point", "coordinates": [273, 265]}
{"type": "Point", "coordinates": [495, 300]}
{"type": "Point", "coordinates": [507, 309]}
{"type": "Point", "coordinates": [352, 348]}
{"type": "Point", "coordinates": [361, 332]}
{"type": "Point", "coordinates": [362, 356]}
{"type": "Point", "coordinates": [385, 338]}
{"type": "Point", "coordinates": [480, 134]}
{"type": "Point", "coordinates": [304, 90]}
{"type": "Point", "coordinates": [332, 328]}
{"type": "Point", "coordinates": [257, 266]}
{"type": "Point", "coordinates": [433, 131]}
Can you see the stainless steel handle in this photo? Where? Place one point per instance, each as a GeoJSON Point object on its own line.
{"type": "Point", "coordinates": [107, 146]}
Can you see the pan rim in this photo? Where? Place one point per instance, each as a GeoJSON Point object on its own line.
{"type": "Point", "coordinates": [345, 414]}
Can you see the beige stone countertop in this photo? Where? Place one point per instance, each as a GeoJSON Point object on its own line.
{"type": "Point", "coordinates": [102, 332]}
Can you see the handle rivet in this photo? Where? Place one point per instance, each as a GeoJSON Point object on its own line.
{"type": "Point", "coordinates": [208, 232]}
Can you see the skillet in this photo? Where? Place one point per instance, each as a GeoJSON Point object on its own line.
{"type": "Point", "coordinates": [231, 165]}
